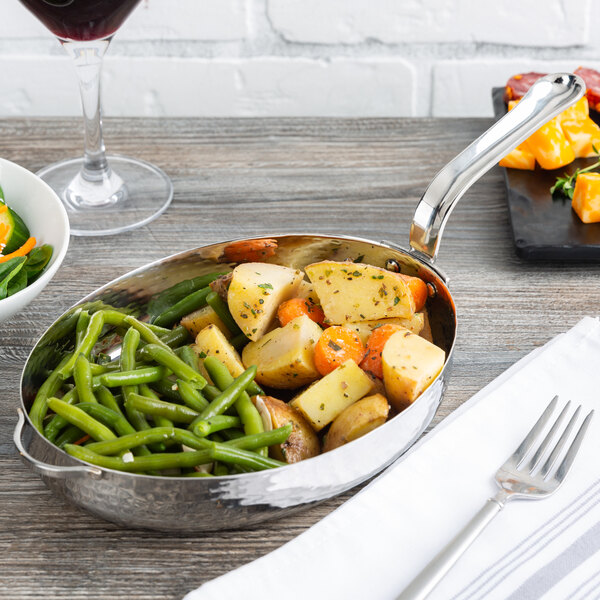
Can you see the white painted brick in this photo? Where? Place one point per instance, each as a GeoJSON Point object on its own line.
{"type": "Point", "coordinates": [201, 87]}
{"type": "Point", "coordinates": [186, 20]}
{"type": "Point", "coordinates": [463, 88]}
{"type": "Point", "coordinates": [16, 22]}
{"type": "Point", "coordinates": [528, 23]}
{"type": "Point", "coordinates": [220, 20]}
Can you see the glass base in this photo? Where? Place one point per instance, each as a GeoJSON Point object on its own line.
{"type": "Point", "coordinates": [131, 194]}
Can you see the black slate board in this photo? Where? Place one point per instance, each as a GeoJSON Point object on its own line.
{"type": "Point", "coordinates": [544, 228]}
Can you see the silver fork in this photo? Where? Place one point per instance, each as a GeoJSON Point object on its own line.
{"type": "Point", "coordinates": [520, 477]}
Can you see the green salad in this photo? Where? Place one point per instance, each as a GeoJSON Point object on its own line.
{"type": "Point", "coordinates": [21, 260]}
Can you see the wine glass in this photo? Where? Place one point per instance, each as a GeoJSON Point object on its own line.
{"type": "Point", "coordinates": [102, 194]}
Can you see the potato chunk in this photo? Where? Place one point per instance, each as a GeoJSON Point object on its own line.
{"type": "Point", "coordinates": [195, 322]}
{"type": "Point", "coordinates": [364, 328]}
{"type": "Point", "coordinates": [255, 292]}
{"type": "Point", "coordinates": [352, 292]}
{"type": "Point", "coordinates": [285, 356]}
{"type": "Point", "coordinates": [410, 364]}
{"type": "Point", "coordinates": [357, 420]}
{"type": "Point", "coordinates": [303, 441]}
{"type": "Point", "coordinates": [211, 341]}
{"type": "Point", "coordinates": [325, 399]}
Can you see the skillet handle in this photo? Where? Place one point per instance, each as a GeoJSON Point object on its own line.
{"type": "Point", "coordinates": [548, 97]}
{"type": "Point", "coordinates": [53, 471]}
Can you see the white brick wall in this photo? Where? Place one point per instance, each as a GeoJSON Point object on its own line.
{"type": "Point", "coordinates": [302, 57]}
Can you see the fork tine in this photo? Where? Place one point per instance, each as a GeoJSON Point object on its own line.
{"type": "Point", "coordinates": [527, 443]}
{"type": "Point", "coordinates": [539, 453]}
{"type": "Point", "coordinates": [560, 444]}
{"type": "Point", "coordinates": [567, 461]}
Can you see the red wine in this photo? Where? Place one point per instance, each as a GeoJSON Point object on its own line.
{"type": "Point", "coordinates": [81, 20]}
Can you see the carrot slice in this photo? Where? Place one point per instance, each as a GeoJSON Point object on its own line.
{"type": "Point", "coordinates": [26, 248]}
{"type": "Point", "coordinates": [85, 438]}
{"type": "Point", "coordinates": [336, 346]}
{"type": "Point", "coordinates": [249, 250]}
{"type": "Point", "coordinates": [377, 340]}
{"type": "Point", "coordinates": [418, 289]}
{"type": "Point", "coordinates": [296, 307]}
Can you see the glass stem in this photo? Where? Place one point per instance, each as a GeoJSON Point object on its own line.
{"type": "Point", "coordinates": [87, 57]}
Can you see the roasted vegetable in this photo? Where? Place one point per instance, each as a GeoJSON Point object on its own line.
{"type": "Point", "coordinates": [357, 420]}
{"type": "Point", "coordinates": [285, 356]}
{"type": "Point", "coordinates": [416, 323]}
{"type": "Point", "coordinates": [302, 443]}
{"type": "Point", "coordinates": [325, 399]}
{"type": "Point", "coordinates": [211, 341]}
{"type": "Point", "coordinates": [351, 292]}
{"type": "Point", "coordinates": [255, 293]}
{"type": "Point", "coordinates": [203, 317]}
{"type": "Point", "coordinates": [410, 364]}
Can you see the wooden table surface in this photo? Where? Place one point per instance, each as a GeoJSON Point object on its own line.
{"type": "Point", "coordinates": [246, 177]}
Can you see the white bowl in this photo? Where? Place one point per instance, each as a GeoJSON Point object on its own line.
{"type": "Point", "coordinates": [45, 216]}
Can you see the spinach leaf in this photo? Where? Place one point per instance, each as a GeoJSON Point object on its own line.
{"type": "Point", "coordinates": [37, 260]}
{"type": "Point", "coordinates": [8, 270]}
{"type": "Point", "coordinates": [17, 283]}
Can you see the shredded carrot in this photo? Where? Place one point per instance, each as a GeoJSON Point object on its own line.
{"type": "Point", "coordinates": [25, 249]}
{"type": "Point", "coordinates": [3, 232]}
{"type": "Point", "coordinates": [85, 438]}
{"type": "Point", "coordinates": [379, 336]}
{"type": "Point", "coordinates": [296, 307]}
{"type": "Point", "coordinates": [335, 346]}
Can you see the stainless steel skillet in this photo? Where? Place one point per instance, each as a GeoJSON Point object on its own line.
{"type": "Point", "coordinates": [188, 505]}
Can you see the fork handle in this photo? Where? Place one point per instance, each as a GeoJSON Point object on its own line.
{"type": "Point", "coordinates": [433, 573]}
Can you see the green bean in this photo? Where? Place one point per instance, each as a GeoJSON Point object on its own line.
{"type": "Point", "coordinates": [49, 388]}
{"type": "Point", "coordinates": [264, 439]}
{"type": "Point", "coordinates": [239, 341]}
{"type": "Point", "coordinates": [149, 406]}
{"type": "Point", "coordinates": [155, 462]}
{"type": "Point", "coordinates": [159, 331]}
{"type": "Point", "coordinates": [158, 420]}
{"type": "Point", "coordinates": [76, 416]}
{"type": "Point", "coordinates": [170, 360]}
{"type": "Point", "coordinates": [109, 367]}
{"type": "Point", "coordinates": [82, 324]}
{"type": "Point", "coordinates": [189, 357]}
{"type": "Point", "coordinates": [108, 417]}
{"type": "Point", "coordinates": [248, 413]}
{"type": "Point", "coordinates": [216, 302]}
{"type": "Point", "coordinates": [87, 343]}
{"type": "Point", "coordinates": [149, 436]}
{"type": "Point", "coordinates": [228, 396]}
{"type": "Point", "coordinates": [220, 470]}
{"type": "Point", "coordinates": [176, 337]}
{"type": "Point", "coordinates": [145, 332]}
{"type": "Point", "coordinates": [167, 388]}
{"type": "Point", "coordinates": [232, 434]}
{"type": "Point", "coordinates": [191, 396]}
{"type": "Point", "coordinates": [252, 460]}
{"type": "Point", "coordinates": [57, 423]}
{"type": "Point", "coordinates": [114, 317]}
{"type": "Point", "coordinates": [136, 377]}
{"type": "Point", "coordinates": [211, 392]}
{"type": "Point", "coordinates": [197, 474]}
{"type": "Point", "coordinates": [69, 436]}
{"type": "Point", "coordinates": [131, 341]}
{"type": "Point", "coordinates": [189, 304]}
{"type": "Point", "coordinates": [218, 423]}
{"type": "Point", "coordinates": [82, 374]}
{"type": "Point", "coordinates": [107, 399]}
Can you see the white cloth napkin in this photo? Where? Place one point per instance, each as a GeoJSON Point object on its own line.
{"type": "Point", "coordinates": [372, 546]}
